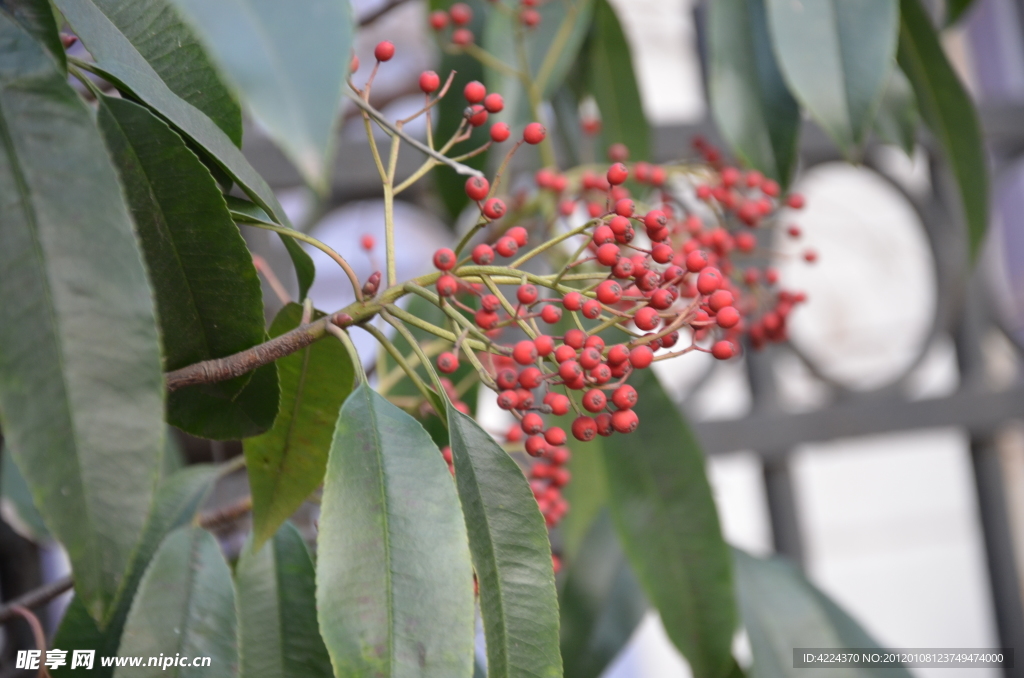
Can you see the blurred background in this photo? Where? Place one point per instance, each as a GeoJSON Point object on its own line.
{"type": "Point", "coordinates": [883, 448]}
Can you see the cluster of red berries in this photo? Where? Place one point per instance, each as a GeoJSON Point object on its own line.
{"type": "Point", "coordinates": [460, 15]}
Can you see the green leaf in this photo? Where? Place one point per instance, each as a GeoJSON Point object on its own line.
{"type": "Point", "coordinates": [121, 63]}
{"type": "Point", "coordinates": [956, 9]}
{"type": "Point", "coordinates": [215, 415]}
{"type": "Point", "coordinates": [278, 632]}
{"type": "Point", "coordinates": [36, 18]}
{"type": "Point", "coordinates": [394, 580]}
{"type": "Point", "coordinates": [511, 554]}
{"type": "Point", "coordinates": [161, 35]}
{"type": "Point", "coordinates": [81, 391]}
{"type": "Point", "coordinates": [752, 107]}
{"type": "Point", "coordinates": [666, 517]}
{"type": "Point", "coordinates": [836, 56]}
{"type": "Point", "coordinates": [612, 81]}
{"type": "Point", "coordinates": [207, 291]}
{"type": "Point", "coordinates": [245, 212]}
{"type": "Point", "coordinates": [185, 605]}
{"type": "Point", "coordinates": [288, 65]}
{"type": "Point", "coordinates": [177, 502]}
{"type": "Point", "coordinates": [782, 610]}
{"type": "Point", "coordinates": [947, 109]}
{"type": "Point", "coordinates": [601, 602]}
{"type": "Point", "coordinates": [287, 463]}
{"type": "Point", "coordinates": [551, 48]}
{"type": "Point", "coordinates": [897, 119]}
{"type": "Point", "coordinates": [16, 506]}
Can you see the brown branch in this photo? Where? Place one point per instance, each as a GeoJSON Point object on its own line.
{"type": "Point", "coordinates": [229, 367]}
{"type": "Point", "coordinates": [225, 515]}
{"type": "Point", "coordinates": [35, 598]}
{"type": "Point", "coordinates": [378, 13]}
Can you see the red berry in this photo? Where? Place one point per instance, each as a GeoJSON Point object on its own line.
{"type": "Point", "coordinates": [525, 399]}
{"type": "Point", "coordinates": [594, 400]}
{"type": "Point", "coordinates": [696, 260]}
{"type": "Point", "coordinates": [461, 14]}
{"type": "Point", "coordinates": [494, 209]}
{"type": "Point", "coordinates": [438, 20]}
{"type": "Point", "coordinates": [617, 174]}
{"type": "Point", "coordinates": [745, 242]}
{"type": "Point", "coordinates": [570, 370]}
{"type": "Point", "coordinates": [384, 51]}
{"type": "Point", "coordinates": [604, 424]}
{"type": "Point", "coordinates": [623, 268]}
{"type": "Point", "coordinates": [487, 320]}
{"type": "Point", "coordinates": [476, 115]}
{"type": "Point", "coordinates": [723, 350]}
{"type": "Point", "coordinates": [720, 299]}
{"type": "Point", "coordinates": [795, 201]}
{"type": "Point", "coordinates": [563, 353]}
{"type": "Point", "coordinates": [429, 81]}
{"type": "Point", "coordinates": [810, 256]}
{"type": "Point", "coordinates": [353, 65]}
{"type": "Point", "coordinates": [625, 207]}
{"type": "Point", "coordinates": [367, 242]}
{"type": "Point", "coordinates": [444, 259]}
{"type": "Point", "coordinates": [590, 358]}
{"type": "Point", "coordinates": [527, 294]}
{"type": "Point", "coordinates": [447, 285]}
{"type": "Point", "coordinates": [532, 423]}
{"type": "Point", "coordinates": [555, 436]}
{"type": "Point", "coordinates": [662, 253]}
{"type": "Point", "coordinates": [607, 254]}
{"type": "Point", "coordinates": [506, 246]}
{"type": "Point", "coordinates": [584, 428]}
{"type": "Point", "coordinates": [500, 132]}
{"type": "Point", "coordinates": [530, 378]}
{"type": "Point", "coordinates": [462, 36]}
{"type": "Point", "coordinates": [567, 207]}
{"type": "Point", "coordinates": [709, 280]}
{"type": "Point", "coordinates": [609, 292]}
{"type": "Point", "coordinates": [535, 446]}
{"type": "Point", "coordinates": [647, 318]}
{"type": "Point", "coordinates": [592, 309]}
{"type": "Point", "coordinates": [490, 302]}
{"type": "Point", "coordinates": [551, 314]}
{"type": "Point", "coordinates": [519, 234]}
{"type": "Point", "coordinates": [575, 338]}
{"type": "Point", "coordinates": [573, 301]}
{"type": "Point", "coordinates": [619, 225]}
{"type": "Point", "coordinates": [477, 188]}
{"type": "Point", "coordinates": [641, 357]}
{"type": "Point", "coordinates": [474, 92]}
{"type": "Point", "coordinates": [618, 354]}
{"type": "Point", "coordinates": [603, 235]}
{"type": "Point", "coordinates": [483, 255]}
{"type": "Point", "coordinates": [624, 397]}
{"type": "Point", "coordinates": [559, 404]}
{"type": "Point", "coordinates": [663, 299]}
{"type": "Point", "coordinates": [670, 339]}
{"type": "Point", "coordinates": [508, 400]}
{"type": "Point", "coordinates": [530, 18]}
{"type": "Point", "coordinates": [524, 352]}
{"type": "Point", "coordinates": [625, 421]}
{"type": "Point", "coordinates": [506, 379]}
{"type": "Point", "coordinates": [793, 231]}
{"type": "Point", "coordinates": [534, 133]}
{"type": "Point", "coordinates": [770, 188]}
{"type": "Point", "coordinates": [727, 317]}
{"type": "Point", "coordinates": [545, 345]}
{"type": "Point", "coordinates": [447, 362]}
{"type": "Point", "coordinates": [494, 103]}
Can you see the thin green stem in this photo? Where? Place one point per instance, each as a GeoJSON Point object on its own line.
{"type": "Point", "coordinates": [424, 360]}
{"type": "Point", "coordinates": [553, 242]}
{"type": "Point", "coordinates": [351, 348]}
{"type": "Point", "coordinates": [400, 359]}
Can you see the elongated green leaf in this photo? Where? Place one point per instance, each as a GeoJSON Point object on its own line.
{"type": "Point", "coordinates": [394, 580]}
{"type": "Point", "coordinates": [289, 66]}
{"type": "Point", "coordinates": [245, 212]}
{"type": "Point", "coordinates": [278, 632]}
{"type": "Point", "coordinates": [897, 119]}
{"type": "Point", "coordinates": [287, 463]}
{"type": "Point", "coordinates": [16, 506]}
{"type": "Point", "coordinates": [185, 606]}
{"type": "Point", "coordinates": [207, 291]}
{"type": "Point", "coordinates": [948, 111]}
{"type": "Point", "coordinates": [956, 9]}
{"type": "Point", "coordinates": [782, 610]}
{"type": "Point", "coordinates": [36, 18]}
{"type": "Point", "coordinates": [511, 554]}
{"type": "Point", "coordinates": [836, 56]}
{"type": "Point", "coordinates": [119, 61]}
{"type": "Point", "coordinates": [601, 603]}
{"type": "Point", "coordinates": [666, 517]}
{"type": "Point", "coordinates": [752, 107]}
{"type": "Point", "coordinates": [177, 502]}
{"type": "Point", "coordinates": [81, 392]}
{"type": "Point", "coordinates": [612, 82]}
{"type": "Point", "coordinates": [551, 48]}
{"type": "Point", "coordinates": [160, 34]}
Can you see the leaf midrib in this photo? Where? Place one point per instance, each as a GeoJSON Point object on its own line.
{"type": "Point", "coordinates": [389, 586]}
